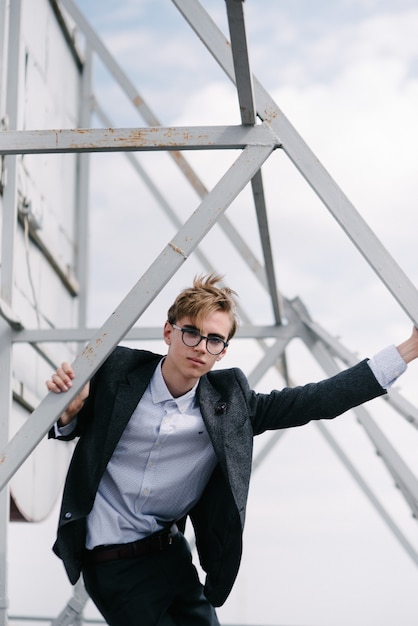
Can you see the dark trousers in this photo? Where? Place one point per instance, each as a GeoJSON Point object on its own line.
{"type": "Point", "coordinates": [160, 589]}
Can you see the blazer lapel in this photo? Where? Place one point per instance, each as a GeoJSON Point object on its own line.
{"type": "Point", "coordinates": [212, 409]}
{"type": "Point", "coordinates": [127, 397]}
{"type": "Point", "coordinates": [232, 438]}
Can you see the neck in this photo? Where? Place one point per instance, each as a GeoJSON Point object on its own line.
{"type": "Point", "coordinates": [177, 385]}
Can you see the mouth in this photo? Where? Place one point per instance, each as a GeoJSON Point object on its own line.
{"type": "Point", "coordinates": [195, 360]}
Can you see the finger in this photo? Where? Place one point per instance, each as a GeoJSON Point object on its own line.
{"type": "Point", "coordinates": [56, 388]}
{"type": "Point", "coordinates": [60, 381]}
{"type": "Point", "coordinates": [68, 370]}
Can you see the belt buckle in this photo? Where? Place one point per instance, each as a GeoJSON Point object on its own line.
{"type": "Point", "coordinates": [165, 540]}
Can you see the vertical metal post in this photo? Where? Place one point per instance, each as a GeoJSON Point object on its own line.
{"type": "Point", "coordinates": [10, 190]}
{"type": "Point", "coordinates": [3, 42]}
{"type": "Point", "coordinates": [82, 208]}
{"type": "Point", "coordinates": [3, 60]}
{"type": "Point", "coordinates": [7, 277]}
{"type": "Point", "coordinates": [5, 394]}
{"type": "Point", "coordinates": [72, 614]}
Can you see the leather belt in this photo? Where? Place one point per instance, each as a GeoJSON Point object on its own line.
{"type": "Point", "coordinates": [149, 545]}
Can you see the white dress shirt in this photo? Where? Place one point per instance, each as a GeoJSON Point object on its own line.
{"type": "Point", "coordinates": [158, 470]}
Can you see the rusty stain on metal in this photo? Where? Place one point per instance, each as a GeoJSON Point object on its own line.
{"type": "Point", "coordinates": [135, 138]}
{"type": "Point", "coordinates": [270, 114]}
{"type": "Point", "coordinates": [100, 340]}
{"type": "Point", "coordinates": [89, 351]}
{"type": "Point", "coordinates": [177, 249]}
{"type": "Point", "coordinates": [138, 101]}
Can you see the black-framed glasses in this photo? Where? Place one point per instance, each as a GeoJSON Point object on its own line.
{"type": "Point", "coordinates": [191, 338]}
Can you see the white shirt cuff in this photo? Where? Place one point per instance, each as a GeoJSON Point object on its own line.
{"type": "Point", "coordinates": [64, 431]}
{"type": "Point", "coordinates": [387, 365]}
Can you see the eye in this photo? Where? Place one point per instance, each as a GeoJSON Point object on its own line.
{"type": "Point", "coordinates": [191, 332]}
{"type": "Point", "coordinates": [215, 341]}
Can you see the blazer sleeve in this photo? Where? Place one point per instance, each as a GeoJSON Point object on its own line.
{"type": "Point", "coordinates": [82, 418]}
{"type": "Point", "coordinates": [115, 370]}
{"type": "Point", "coordinates": [322, 400]}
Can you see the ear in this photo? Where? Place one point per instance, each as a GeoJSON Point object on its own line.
{"type": "Point", "coordinates": [168, 329]}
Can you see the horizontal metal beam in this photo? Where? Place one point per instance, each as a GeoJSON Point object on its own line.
{"type": "Point", "coordinates": [122, 139]}
{"type": "Point", "coordinates": [153, 333]}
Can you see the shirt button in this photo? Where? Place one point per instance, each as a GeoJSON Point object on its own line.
{"type": "Point", "coordinates": [68, 515]}
{"type": "Point", "coordinates": [145, 492]}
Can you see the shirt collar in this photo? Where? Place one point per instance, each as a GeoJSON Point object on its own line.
{"type": "Point", "coordinates": [160, 393]}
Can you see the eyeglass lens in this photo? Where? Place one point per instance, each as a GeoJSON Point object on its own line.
{"type": "Point", "coordinates": [192, 338]}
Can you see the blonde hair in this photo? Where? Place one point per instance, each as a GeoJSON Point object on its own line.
{"type": "Point", "coordinates": [203, 298]}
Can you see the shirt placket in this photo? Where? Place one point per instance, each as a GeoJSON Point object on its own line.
{"type": "Point", "coordinates": [150, 483]}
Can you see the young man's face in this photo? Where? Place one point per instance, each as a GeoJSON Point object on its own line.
{"type": "Point", "coordinates": [185, 364]}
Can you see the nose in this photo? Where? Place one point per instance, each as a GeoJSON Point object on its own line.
{"type": "Point", "coordinates": [201, 346]}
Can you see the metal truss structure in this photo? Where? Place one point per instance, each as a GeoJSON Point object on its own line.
{"type": "Point", "coordinates": [263, 130]}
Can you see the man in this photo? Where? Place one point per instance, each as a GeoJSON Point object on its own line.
{"type": "Point", "coordinates": [165, 437]}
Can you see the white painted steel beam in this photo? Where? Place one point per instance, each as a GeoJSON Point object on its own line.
{"type": "Point", "coordinates": [263, 228]}
{"type": "Point", "coordinates": [243, 77]}
{"type": "Point", "coordinates": [121, 139]}
{"type": "Point", "coordinates": [3, 57]}
{"type": "Point", "coordinates": [8, 260]}
{"type": "Point", "coordinates": [140, 333]}
{"type": "Point", "coordinates": [6, 396]}
{"type": "Point", "coordinates": [82, 218]}
{"type": "Point", "coordinates": [72, 614]}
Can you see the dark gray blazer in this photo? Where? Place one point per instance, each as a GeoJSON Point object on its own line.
{"type": "Point", "coordinates": [233, 414]}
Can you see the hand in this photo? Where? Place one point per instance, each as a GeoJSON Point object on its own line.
{"type": "Point", "coordinates": [409, 348]}
{"type": "Point", "coordinates": [60, 381]}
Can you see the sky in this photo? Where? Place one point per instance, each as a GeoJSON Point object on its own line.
{"type": "Point", "coordinates": [346, 75]}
